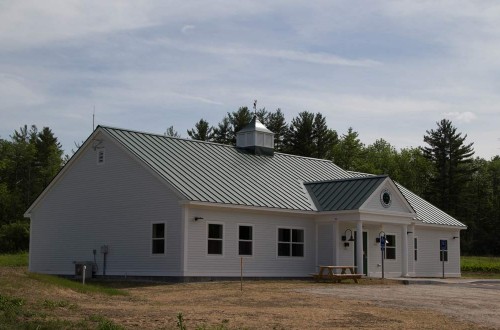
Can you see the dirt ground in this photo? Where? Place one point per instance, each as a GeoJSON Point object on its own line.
{"type": "Point", "coordinates": [302, 305]}
{"type": "Point", "coordinates": [270, 304]}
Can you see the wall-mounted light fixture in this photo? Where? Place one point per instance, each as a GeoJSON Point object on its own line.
{"type": "Point", "coordinates": [198, 218]}
{"type": "Point", "coordinates": [409, 232]}
{"type": "Point", "coordinates": [344, 237]}
{"type": "Point", "coordinates": [455, 237]}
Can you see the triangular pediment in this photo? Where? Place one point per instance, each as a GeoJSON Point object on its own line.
{"type": "Point", "coordinates": [387, 198]}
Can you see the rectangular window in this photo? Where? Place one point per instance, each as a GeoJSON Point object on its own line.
{"type": "Point", "coordinates": [390, 247]}
{"type": "Point", "coordinates": [415, 248]}
{"type": "Point", "coordinates": [290, 242]}
{"type": "Point", "coordinates": [215, 238]}
{"type": "Point", "coordinates": [443, 250]}
{"type": "Point", "coordinates": [245, 243]}
{"type": "Point", "coordinates": [158, 244]}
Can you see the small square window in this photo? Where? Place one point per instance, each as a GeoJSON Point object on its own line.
{"type": "Point", "coordinates": [290, 242]}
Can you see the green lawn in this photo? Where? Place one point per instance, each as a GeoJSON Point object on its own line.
{"type": "Point", "coordinates": [480, 267]}
{"type": "Point", "coordinates": [14, 260]}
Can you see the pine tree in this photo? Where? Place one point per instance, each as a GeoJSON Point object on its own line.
{"type": "Point", "coordinates": [222, 133]}
{"type": "Point", "coordinates": [451, 159]}
{"type": "Point", "coordinates": [347, 153]}
{"type": "Point", "coordinates": [299, 139]}
{"type": "Point", "coordinates": [275, 122]}
{"type": "Point", "coordinates": [201, 131]}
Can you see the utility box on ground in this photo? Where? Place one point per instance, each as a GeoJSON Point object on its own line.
{"type": "Point", "coordinates": [79, 269]}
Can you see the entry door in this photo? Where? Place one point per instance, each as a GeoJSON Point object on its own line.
{"type": "Point", "coordinates": [365, 252]}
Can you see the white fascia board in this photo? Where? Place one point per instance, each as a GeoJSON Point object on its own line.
{"type": "Point", "coordinates": [441, 226]}
{"type": "Point", "coordinates": [246, 207]}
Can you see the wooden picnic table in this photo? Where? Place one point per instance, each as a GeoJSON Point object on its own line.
{"type": "Point", "coordinates": [335, 277]}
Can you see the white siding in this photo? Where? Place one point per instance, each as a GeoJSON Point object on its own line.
{"type": "Point", "coordinates": [325, 244]}
{"type": "Point", "coordinates": [428, 263]}
{"type": "Point", "coordinates": [265, 261]}
{"type": "Point", "coordinates": [114, 203]}
{"type": "Point", "coordinates": [397, 203]}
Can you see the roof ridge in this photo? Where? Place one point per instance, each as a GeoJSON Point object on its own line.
{"type": "Point", "coordinates": [209, 142]}
{"type": "Point", "coordinates": [350, 179]}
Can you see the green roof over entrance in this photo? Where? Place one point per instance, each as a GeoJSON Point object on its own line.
{"type": "Point", "coordinates": [343, 194]}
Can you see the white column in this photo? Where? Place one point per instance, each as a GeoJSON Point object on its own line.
{"type": "Point", "coordinates": [404, 253]}
{"type": "Point", "coordinates": [359, 247]}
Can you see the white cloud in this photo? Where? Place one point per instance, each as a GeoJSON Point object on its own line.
{"type": "Point", "coordinates": [461, 117]}
{"type": "Point", "coordinates": [186, 29]}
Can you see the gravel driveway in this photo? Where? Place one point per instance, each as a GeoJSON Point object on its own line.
{"type": "Point", "coordinates": [476, 302]}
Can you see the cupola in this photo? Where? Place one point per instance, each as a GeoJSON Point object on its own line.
{"type": "Point", "coordinates": [256, 138]}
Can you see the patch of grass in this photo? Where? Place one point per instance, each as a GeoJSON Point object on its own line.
{"type": "Point", "coordinates": [105, 324]}
{"type": "Point", "coordinates": [53, 304]}
{"type": "Point", "coordinates": [14, 260]}
{"type": "Point", "coordinates": [10, 308]}
{"type": "Point", "coordinates": [480, 264]}
{"type": "Point", "coordinates": [76, 286]}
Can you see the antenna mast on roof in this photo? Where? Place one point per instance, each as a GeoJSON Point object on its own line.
{"type": "Point", "coordinates": [93, 120]}
{"type": "Point", "coordinates": [255, 108]}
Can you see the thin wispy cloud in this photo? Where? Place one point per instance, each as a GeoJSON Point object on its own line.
{"type": "Point", "coordinates": [389, 69]}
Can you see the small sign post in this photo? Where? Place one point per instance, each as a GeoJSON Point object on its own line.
{"type": "Point", "coordinates": [443, 246]}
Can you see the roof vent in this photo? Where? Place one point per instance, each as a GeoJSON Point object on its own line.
{"type": "Point", "coordinates": [256, 138]}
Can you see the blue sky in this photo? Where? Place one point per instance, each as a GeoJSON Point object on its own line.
{"type": "Point", "coordinates": [389, 69]}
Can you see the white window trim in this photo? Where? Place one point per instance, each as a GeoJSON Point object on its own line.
{"type": "Point", "coordinates": [252, 240]}
{"type": "Point", "coordinates": [395, 247]}
{"type": "Point", "coordinates": [152, 239]}
{"type": "Point", "coordinates": [277, 242]}
{"type": "Point", "coordinates": [223, 236]}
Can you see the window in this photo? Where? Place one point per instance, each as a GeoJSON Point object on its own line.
{"type": "Point", "coordinates": [390, 247]}
{"type": "Point", "coordinates": [158, 245]}
{"type": "Point", "coordinates": [100, 157]}
{"type": "Point", "coordinates": [245, 240]}
{"type": "Point", "coordinates": [214, 238]}
{"type": "Point", "coordinates": [415, 248]}
{"type": "Point", "coordinates": [290, 242]}
{"type": "Point", "coordinates": [443, 250]}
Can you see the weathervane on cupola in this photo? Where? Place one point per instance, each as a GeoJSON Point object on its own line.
{"type": "Point", "coordinates": [255, 137]}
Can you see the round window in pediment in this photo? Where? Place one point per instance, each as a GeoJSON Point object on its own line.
{"type": "Point", "coordinates": [385, 198]}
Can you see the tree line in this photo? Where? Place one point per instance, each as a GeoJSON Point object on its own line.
{"type": "Point", "coordinates": [28, 162]}
{"type": "Point", "coordinates": [443, 170]}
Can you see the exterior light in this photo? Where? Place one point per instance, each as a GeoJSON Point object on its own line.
{"type": "Point", "coordinates": [344, 237]}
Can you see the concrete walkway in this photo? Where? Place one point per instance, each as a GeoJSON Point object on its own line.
{"type": "Point", "coordinates": [451, 280]}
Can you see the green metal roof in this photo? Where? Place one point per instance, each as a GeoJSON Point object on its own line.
{"type": "Point", "coordinates": [217, 173]}
{"type": "Point", "coordinates": [343, 194]}
{"type": "Point", "coordinates": [426, 212]}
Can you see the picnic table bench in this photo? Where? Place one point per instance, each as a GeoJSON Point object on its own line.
{"type": "Point", "coordinates": [335, 277]}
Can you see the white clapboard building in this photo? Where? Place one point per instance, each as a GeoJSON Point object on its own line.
{"type": "Point", "coordinates": [140, 204]}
